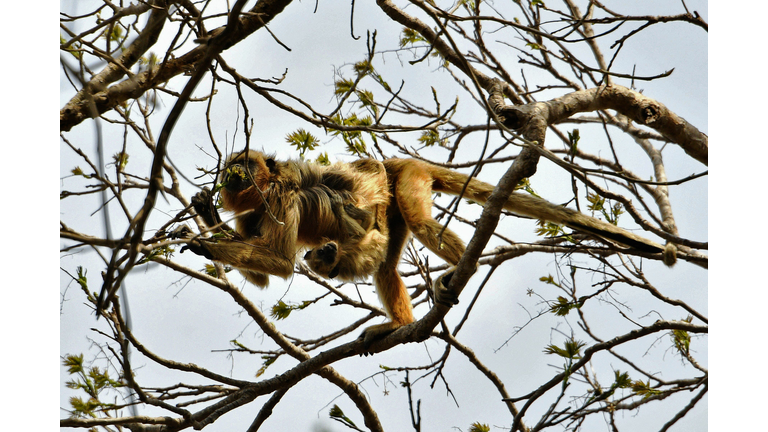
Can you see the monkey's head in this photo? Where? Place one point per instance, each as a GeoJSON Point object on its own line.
{"type": "Point", "coordinates": [324, 260]}
{"type": "Point", "coordinates": [240, 174]}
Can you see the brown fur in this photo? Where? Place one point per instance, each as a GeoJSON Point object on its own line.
{"type": "Point", "coordinates": [319, 206]}
{"type": "Point", "coordinates": [363, 250]}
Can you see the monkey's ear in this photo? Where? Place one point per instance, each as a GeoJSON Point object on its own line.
{"type": "Point", "coordinates": [272, 165]}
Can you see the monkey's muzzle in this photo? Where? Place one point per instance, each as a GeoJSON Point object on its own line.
{"type": "Point", "coordinates": [235, 179]}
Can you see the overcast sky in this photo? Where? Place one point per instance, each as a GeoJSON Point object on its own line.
{"type": "Point", "coordinates": [168, 314]}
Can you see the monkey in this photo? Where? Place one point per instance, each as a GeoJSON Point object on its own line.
{"type": "Point", "coordinates": [314, 207]}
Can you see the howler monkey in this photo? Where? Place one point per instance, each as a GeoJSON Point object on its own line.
{"type": "Point", "coordinates": [355, 218]}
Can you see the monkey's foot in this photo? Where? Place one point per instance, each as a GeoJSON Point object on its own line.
{"type": "Point", "coordinates": [443, 295]}
{"type": "Point", "coordinates": [376, 332]}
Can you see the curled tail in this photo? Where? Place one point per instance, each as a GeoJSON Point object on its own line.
{"type": "Point", "coordinates": [452, 182]}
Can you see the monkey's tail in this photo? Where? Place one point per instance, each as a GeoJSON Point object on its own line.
{"type": "Point", "coordinates": [452, 182]}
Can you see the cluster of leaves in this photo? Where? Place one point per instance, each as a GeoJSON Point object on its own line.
{"type": "Point", "coordinates": [162, 251]}
{"type": "Point", "coordinates": [93, 381]}
{"type": "Point", "coordinates": [611, 213]}
{"type": "Point", "coordinates": [281, 310]}
{"type": "Point", "coordinates": [120, 160]}
{"type": "Point", "coordinates": [353, 139]}
{"type": "Point", "coordinates": [563, 306]}
{"type": "Point", "coordinates": [346, 87]}
{"type": "Point", "coordinates": [303, 141]}
{"type": "Point", "coordinates": [431, 137]}
{"type": "Point", "coordinates": [410, 38]}
{"type": "Point", "coordinates": [570, 351]}
{"type": "Point", "coordinates": [551, 230]}
{"type": "Point", "coordinates": [621, 381]}
{"type": "Point", "coordinates": [681, 339]}
{"type": "Point", "coordinates": [337, 414]}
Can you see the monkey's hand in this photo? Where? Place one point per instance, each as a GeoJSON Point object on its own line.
{"type": "Point", "coordinates": [194, 243]}
{"type": "Point", "coordinates": [202, 202]}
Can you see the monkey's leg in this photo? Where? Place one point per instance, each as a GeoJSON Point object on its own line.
{"type": "Point", "coordinates": [414, 197]}
{"type": "Point", "coordinates": [360, 217]}
{"type": "Point", "coordinates": [324, 260]}
{"type": "Point", "coordinates": [391, 288]}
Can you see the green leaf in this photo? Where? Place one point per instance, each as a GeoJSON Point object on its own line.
{"type": "Point", "coordinates": [117, 34]}
{"type": "Point", "coordinates": [479, 427]}
{"type": "Point", "coordinates": [281, 310]}
{"type": "Point", "coordinates": [268, 361]}
{"type": "Point", "coordinates": [366, 98]}
{"type": "Point", "coordinates": [571, 349]}
{"type": "Point", "coordinates": [563, 306]}
{"type": "Point", "coordinates": [338, 414]}
{"type": "Point", "coordinates": [644, 389]}
{"type": "Point", "coordinates": [120, 160]}
{"type": "Point", "coordinates": [621, 379]}
{"type": "Point", "coordinates": [323, 159]}
{"type": "Point", "coordinates": [164, 251]}
{"type": "Point", "coordinates": [549, 229]}
{"type": "Point", "coordinates": [410, 37]}
{"type": "Point", "coordinates": [598, 204]}
{"type": "Point", "coordinates": [573, 138]}
{"type": "Point", "coordinates": [354, 139]}
{"type": "Point", "coordinates": [430, 137]}
{"type": "Point", "coordinates": [343, 86]}
{"type": "Point", "coordinates": [302, 140]}
{"type": "Point", "coordinates": [74, 363]}
{"type": "Point", "coordinates": [682, 339]}
{"type": "Point", "coordinates": [363, 67]}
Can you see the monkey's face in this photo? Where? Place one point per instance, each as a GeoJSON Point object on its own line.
{"type": "Point", "coordinates": [241, 172]}
{"type": "Point", "coordinates": [324, 260]}
{"type": "Point", "coordinates": [237, 178]}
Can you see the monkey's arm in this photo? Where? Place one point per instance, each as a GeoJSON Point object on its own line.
{"type": "Point", "coordinates": [254, 255]}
